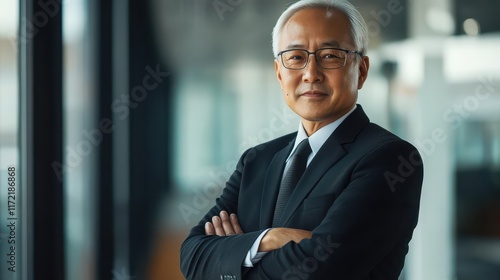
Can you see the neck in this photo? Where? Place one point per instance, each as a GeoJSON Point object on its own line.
{"type": "Point", "coordinates": [311, 127]}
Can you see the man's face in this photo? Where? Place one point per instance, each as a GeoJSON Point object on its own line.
{"type": "Point", "coordinates": [316, 94]}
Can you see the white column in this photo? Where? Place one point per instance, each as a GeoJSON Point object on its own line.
{"type": "Point", "coordinates": [431, 253]}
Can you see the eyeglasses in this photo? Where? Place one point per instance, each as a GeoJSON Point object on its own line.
{"type": "Point", "coordinates": [328, 58]}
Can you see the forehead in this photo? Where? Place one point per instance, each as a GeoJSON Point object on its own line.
{"type": "Point", "coordinates": [314, 27]}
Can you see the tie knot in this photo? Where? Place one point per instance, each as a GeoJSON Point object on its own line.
{"type": "Point", "coordinates": [303, 149]}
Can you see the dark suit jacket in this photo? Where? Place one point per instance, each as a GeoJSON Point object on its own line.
{"type": "Point", "coordinates": [359, 196]}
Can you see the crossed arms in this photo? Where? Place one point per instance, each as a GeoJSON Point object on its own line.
{"type": "Point", "coordinates": [364, 234]}
{"type": "Point", "coordinates": [275, 238]}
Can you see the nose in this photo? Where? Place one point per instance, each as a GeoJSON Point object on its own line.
{"type": "Point", "coordinates": [313, 72]}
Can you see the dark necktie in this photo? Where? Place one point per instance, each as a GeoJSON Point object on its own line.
{"type": "Point", "coordinates": [297, 167]}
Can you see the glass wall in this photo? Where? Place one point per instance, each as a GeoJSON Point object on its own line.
{"type": "Point", "coordinates": [80, 141]}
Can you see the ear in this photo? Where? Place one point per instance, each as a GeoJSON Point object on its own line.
{"type": "Point", "coordinates": [278, 72]}
{"type": "Point", "coordinates": [364, 65]}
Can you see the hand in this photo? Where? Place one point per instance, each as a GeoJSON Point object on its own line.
{"type": "Point", "coordinates": [224, 225]}
{"type": "Point", "coordinates": [276, 238]}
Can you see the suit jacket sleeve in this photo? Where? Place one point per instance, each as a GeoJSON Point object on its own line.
{"type": "Point", "coordinates": [370, 223]}
{"type": "Point", "coordinates": [212, 257]}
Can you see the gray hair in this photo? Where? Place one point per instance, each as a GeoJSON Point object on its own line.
{"type": "Point", "coordinates": [359, 30]}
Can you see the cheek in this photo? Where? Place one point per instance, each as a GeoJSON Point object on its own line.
{"type": "Point", "coordinates": [348, 80]}
{"type": "Point", "coordinates": [289, 84]}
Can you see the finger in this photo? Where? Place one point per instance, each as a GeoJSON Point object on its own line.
{"type": "Point", "coordinates": [218, 226]}
{"type": "Point", "coordinates": [209, 228]}
{"type": "Point", "coordinates": [226, 223]}
{"type": "Point", "coordinates": [236, 224]}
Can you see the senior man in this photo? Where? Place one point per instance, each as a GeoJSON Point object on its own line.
{"type": "Point", "coordinates": [339, 198]}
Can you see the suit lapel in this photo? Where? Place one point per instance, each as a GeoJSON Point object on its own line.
{"type": "Point", "coordinates": [328, 155]}
{"type": "Point", "coordinates": [271, 186]}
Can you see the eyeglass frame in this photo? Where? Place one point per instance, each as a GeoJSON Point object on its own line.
{"type": "Point", "coordinates": [314, 52]}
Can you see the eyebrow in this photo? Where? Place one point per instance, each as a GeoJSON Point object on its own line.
{"type": "Point", "coordinates": [332, 43]}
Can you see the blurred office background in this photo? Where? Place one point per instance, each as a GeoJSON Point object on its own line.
{"type": "Point", "coordinates": [123, 119]}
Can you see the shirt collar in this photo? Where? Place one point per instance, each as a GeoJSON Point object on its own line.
{"type": "Point", "coordinates": [319, 137]}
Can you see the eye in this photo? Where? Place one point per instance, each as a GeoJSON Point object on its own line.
{"type": "Point", "coordinates": [331, 55]}
{"type": "Point", "coordinates": [295, 57]}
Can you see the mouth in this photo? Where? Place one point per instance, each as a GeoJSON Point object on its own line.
{"type": "Point", "coordinates": [314, 94]}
